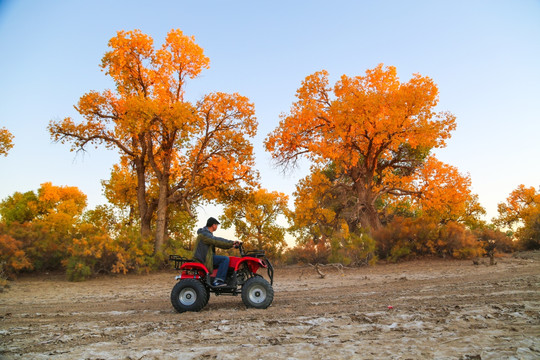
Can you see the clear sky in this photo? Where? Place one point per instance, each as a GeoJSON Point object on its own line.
{"type": "Point", "coordinates": [484, 56]}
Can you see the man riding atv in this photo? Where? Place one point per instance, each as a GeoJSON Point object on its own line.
{"type": "Point", "coordinates": [235, 275]}
{"type": "Point", "coordinates": [205, 249]}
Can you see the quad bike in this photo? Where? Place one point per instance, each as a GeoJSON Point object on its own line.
{"type": "Point", "coordinates": [192, 291]}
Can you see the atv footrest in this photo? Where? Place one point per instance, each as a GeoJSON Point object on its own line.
{"type": "Point", "coordinates": [222, 287]}
{"type": "Point", "coordinates": [224, 290]}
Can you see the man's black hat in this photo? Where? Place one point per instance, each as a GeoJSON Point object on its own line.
{"type": "Point", "coordinates": [211, 221]}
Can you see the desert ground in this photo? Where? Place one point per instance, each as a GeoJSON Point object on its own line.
{"type": "Point", "coordinates": [424, 309]}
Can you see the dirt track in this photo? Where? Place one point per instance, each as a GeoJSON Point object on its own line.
{"type": "Point", "coordinates": [442, 309]}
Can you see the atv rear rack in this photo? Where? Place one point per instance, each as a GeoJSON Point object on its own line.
{"type": "Point", "coordinates": [179, 261]}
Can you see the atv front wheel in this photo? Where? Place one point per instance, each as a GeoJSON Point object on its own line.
{"type": "Point", "coordinates": [257, 293]}
{"type": "Point", "coordinates": [189, 295]}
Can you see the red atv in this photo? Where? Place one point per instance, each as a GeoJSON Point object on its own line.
{"type": "Point", "coordinates": [192, 291]}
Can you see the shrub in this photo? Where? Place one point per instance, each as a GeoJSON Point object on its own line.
{"type": "Point", "coordinates": [502, 242]}
{"type": "Point", "coordinates": [3, 277]}
{"type": "Point", "coordinates": [354, 249]}
{"type": "Point", "coordinates": [310, 252]}
{"type": "Point", "coordinates": [77, 270]}
{"type": "Point", "coordinates": [399, 252]}
{"type": "Point", "coordinates": [406, 237]}
{"type": "Point", "coordinates": [12, 257]}
{"type": "Point", "coordinates": [386, 238]}
{"type": "Point", "coordinates": [459, 242]}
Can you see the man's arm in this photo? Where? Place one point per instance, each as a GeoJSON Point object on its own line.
{"type": "Point", "coordinates": [210, 239]}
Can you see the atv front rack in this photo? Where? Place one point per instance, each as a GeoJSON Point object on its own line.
{"type": "Point", "coordinates": [179, 261]}
{"type": "Point", "coordinates": [259, 254]}
{"type": "Point", "coordinates": [255, 253]}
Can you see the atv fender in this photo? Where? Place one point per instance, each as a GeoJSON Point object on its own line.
{"type": "Point", "coordinates": [193, 270]}
{"type": "Point", "coordinates": [253, 263]}
{"type": "Point", "coordinates": [194, 265]}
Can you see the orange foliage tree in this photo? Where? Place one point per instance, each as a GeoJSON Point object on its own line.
{"type": "Point", "coordinates": [521, 213]}
{"type": "Point", "coordinates": [12, 256]}
{"type": "Point", "coordinates": [445, 194]}
{"type": "Point", "coordinates": [172, 151]}
{"type": "Point", "coordinates": [6, 141]}
{"type": "Point", "coordinates": [374, 131]}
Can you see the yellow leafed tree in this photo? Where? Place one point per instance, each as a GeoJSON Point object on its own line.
{"type": "Point", "coordinates": [254, 214]}
{"type": "Point", "coordinates": [172, 151]}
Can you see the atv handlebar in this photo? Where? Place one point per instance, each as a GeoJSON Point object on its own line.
{"type": "Point", "coordinates": [253, 253]}
{"type": "Point", "coordinates": [240, 246]}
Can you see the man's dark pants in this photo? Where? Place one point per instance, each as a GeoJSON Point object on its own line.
{"type": "Point", "coordinates": [222, 264]}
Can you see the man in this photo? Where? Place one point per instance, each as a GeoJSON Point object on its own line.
{"type": "Point", "coordinates": [205, 248]}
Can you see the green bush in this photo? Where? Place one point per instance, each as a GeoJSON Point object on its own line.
{"type": "Point", "coordinates": [399, 252]}
{"type": "Point", "coordinates": [77, 270]}
{"type": "Point", "coordinates": [353, 249]}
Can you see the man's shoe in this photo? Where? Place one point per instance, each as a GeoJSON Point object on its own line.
{"type": "Point", "coordinates": [219, 283]}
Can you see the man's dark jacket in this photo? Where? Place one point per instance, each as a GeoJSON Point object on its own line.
{"type": "Point", "coordinates": [205, 247]}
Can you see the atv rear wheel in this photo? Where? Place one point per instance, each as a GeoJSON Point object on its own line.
{"type": "Point", "coordinates": [257, 293]}
{"type": "Point", "coordinates": [189, 295]}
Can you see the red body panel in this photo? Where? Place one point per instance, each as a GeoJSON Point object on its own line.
{"type": "Point", "coordinates": [234, 262]}
{"type": "Point", "coordinates": [253, 263]}
{"type": "Point", "coordinates": [193, 270]}
{"type": "Point", "coordinates": [194, 265]}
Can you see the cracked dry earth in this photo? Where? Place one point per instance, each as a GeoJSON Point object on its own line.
{"type": "Point", "coordinates": [441, 309]}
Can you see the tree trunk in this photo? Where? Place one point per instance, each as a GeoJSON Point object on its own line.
{"type": "Point", "coordinates": [161, 221]}
{"type": "Point", "coordinates": [163, 176]}
{"type": "Point", "coordinates": [369, 218]}
{"type": "Point", "coordinates": [144, 211]}
{"type": "Point", "coordinates": [365, 209]}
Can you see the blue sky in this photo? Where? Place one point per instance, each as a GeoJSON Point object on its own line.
{"type": "Point", "coordinates": [484, 56]}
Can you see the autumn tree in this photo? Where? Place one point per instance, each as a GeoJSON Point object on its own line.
{"type": "Point", "coordinates": [121, 190]}
{"type": "Point", "coordinates": [172, 151]}
{"type": "Point", "coordinates": [19, 207]}
{"type": "Point", "coordinates": [320, 207]}
{"type": "Point", "coordinates": [6, 141]}
{"type": "Point", "coordinates": [48, 229]}
{"type": "Point", "coordinates": [521, 213]}
{"type": "Point", "coordinates": [12, 257]}
{"type": "Point", "coordinates": [374, 130]}
{"type": "Point", "coordinates": [103, 243]}
{"type": "Point", "coordinates": [43, 223]}
{"type": "Point", "coordinates": [445, 194]}
{"type": "Point", "coordinates": [324, 214]}
{"type": "Point", "coordinates": [253, 215]}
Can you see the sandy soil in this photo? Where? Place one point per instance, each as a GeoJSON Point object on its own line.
{"type": "Point", "coordinates": [441, 309]}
